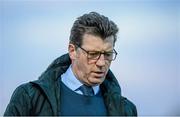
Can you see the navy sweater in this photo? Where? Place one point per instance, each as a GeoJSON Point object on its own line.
{"type": "Point", "coordinates": [76, 104]}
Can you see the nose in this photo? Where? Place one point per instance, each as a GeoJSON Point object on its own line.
{"type": "Point", "coordinates": [101, 61]}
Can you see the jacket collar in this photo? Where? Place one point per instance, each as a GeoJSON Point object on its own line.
{"type": "Point", "coordinates": [48, 81]}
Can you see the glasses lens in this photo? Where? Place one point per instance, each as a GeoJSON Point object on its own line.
{"type": "Point", "coordinates": [93, 55]}
{"type": "Point", "coordinates": [96, 55]}
{"type": "Point", "coordinates": [107, 56]}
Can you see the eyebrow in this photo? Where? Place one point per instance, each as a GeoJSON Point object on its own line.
{"type": "Point", "coordinates": [100, 51]}
{"type": "Point", "coordinates": [94, 49]}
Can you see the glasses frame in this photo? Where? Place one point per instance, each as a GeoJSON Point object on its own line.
{"type": "Point", "coordinates": [87, 52]}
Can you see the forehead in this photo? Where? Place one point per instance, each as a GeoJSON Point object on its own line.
{"type": "Point", "coordinates": [93, 42]}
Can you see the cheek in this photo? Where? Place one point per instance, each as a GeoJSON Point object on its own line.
{"type": "Point", "coordinates": [107, 66]}
{"type": "Point", "coordinates": [83, 67]}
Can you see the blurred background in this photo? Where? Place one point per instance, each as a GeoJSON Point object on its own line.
{"type": "Point", "coordinates": [35, 32]}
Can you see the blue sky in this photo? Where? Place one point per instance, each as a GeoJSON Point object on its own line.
{"type": "Point", "coordinates": [34, 33]}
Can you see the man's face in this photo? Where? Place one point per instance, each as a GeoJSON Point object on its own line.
{"type": "Point", "coordinates": [89, 71]}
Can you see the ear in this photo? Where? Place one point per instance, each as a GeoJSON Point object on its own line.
{"type": "Point", "coordinates": [72, 51]}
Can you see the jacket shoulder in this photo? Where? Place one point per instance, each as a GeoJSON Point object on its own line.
{"type": "Point", "coordinates": [129, 107]}
{"type": "Point", "coordinates": [20, 101]}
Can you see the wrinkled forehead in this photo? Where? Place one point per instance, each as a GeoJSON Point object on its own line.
{"type": "Point", "coordinates": [97, 43]}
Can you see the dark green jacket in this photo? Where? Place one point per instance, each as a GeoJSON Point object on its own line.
{"type": "Point", "coordinates": [42, 97]}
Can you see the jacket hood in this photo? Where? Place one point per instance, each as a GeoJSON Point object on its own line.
{"type": "Point", "coordinates": [61, 64]}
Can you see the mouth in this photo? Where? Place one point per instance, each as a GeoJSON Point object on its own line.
{"type": "Point", "coordinates": [99, 74]}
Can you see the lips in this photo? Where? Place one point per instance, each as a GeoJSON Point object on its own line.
{"type": "Point", "coordinates": [99, 74]}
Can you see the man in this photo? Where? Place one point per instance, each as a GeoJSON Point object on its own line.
{"type": "Point", "coordinates": [80, 82]}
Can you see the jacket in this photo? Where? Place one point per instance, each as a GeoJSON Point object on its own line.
{"type": "Point", "coordinates": [42, 97]}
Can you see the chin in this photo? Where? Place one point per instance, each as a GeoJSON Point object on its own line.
{"type": "Point", "coordinates": [98, 83]}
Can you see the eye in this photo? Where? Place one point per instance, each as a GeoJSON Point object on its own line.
{"type": "Point", "coordinates": [92, 55]}
{"type": "Point", "coordinates": [108, 54]}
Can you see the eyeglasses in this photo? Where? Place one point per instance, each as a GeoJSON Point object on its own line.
{"type": "Point", "coordinates": [95, 55]}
